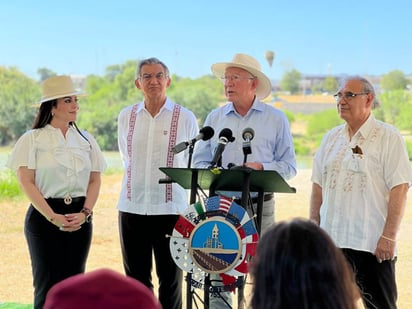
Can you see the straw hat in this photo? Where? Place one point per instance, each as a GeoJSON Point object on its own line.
{"type": "Point", "coordinates": [104, 289]}
{"type": "Point", "coordinates": [249, 64]}
{"type": "Point", "coordinates": [56, 87]}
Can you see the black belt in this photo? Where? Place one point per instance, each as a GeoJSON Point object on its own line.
{"type": "Point", "coordinates": [266, 197]}
{"type": "Point", "coordinates": [59, 206]}
{"type": "Point", "coordinates": [74, 200]}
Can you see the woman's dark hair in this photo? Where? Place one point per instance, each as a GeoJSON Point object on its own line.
{"type": "Point", "coordinates": [298, 266]}
{"type": "Point", "coordinates": [44, 117]}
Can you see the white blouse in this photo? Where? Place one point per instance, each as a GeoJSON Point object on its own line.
{"type": "Point", "coordinates": [62, 164]}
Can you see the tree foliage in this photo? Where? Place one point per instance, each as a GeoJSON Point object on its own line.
{"type": "Point", "coordinates": [116, 90]}
{"type": "Point", "coordinates": [290, 81]}
{"type": "Point", "coordinates": [330, 84]}
{"type": "Point", "coordinates": [394, 80]}
{"type": "Point", "coordinates": [396, 108]}
{"type": "Point", "coordinates": [45, 73]}
{"type": "Point", "coordinates": [109, 93]}
{"type": "Point", "coordinates": [200, 95]}
{"type": "Point", "coordinates": [321, 122]}
{"type": "Point", "coordinates": [18, 97]}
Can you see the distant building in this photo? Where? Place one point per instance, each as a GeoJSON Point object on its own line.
{"type": "Point", "coordinates": [79, 81]}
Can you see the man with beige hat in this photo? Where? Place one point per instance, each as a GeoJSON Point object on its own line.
{"type": "Point", "coordinates": [245, 85]}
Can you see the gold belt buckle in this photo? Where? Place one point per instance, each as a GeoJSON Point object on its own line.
{"type": "Point", "coordinates": [68, 199]}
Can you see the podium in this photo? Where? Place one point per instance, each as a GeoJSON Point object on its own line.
{"type": "Point", "coordinates": [241, 179]}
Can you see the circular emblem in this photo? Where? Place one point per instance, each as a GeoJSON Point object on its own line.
{"type": "Point", "coordinates": [217, 237]}
{"type": "Point", "coordinates": [215, 245]}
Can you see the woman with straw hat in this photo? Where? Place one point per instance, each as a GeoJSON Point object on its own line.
{"type": "Point", "coordinates": [58, 168]}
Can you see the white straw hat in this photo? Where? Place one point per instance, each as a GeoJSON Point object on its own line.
{"type": "Point", "coordinates": [249, 64]}
{"type": "Point", "coordinates": [56, 87]}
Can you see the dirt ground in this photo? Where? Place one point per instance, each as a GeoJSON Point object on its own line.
{"type": "Point", "coordinates": [15, 272]}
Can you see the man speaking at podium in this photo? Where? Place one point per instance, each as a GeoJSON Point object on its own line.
{"type": "Point", "coordinates": [271, 146]}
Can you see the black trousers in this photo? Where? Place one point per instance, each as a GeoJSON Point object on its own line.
{"type": "Point", "coordinates": [142, 236]}
{"type": "Point", "coordinates": [55, 255]}
{"type": "Point", "coordinates": [376, 280]}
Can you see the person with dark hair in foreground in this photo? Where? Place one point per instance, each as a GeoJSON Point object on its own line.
{"type": "Point", "coordinates": [298, 266]}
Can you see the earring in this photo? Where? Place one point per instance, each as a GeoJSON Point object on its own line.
{"type": "Point", "coordinates": [52, 114]}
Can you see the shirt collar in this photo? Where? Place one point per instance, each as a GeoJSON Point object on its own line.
{"type": "Point", "coordinates": [366, 128]}
{"type": "Point", "coordinates": [51, 128]}
{"type": "Point", "coordinates": [257, 105]}
{"type": "Point", "coordinates": [168, 105]}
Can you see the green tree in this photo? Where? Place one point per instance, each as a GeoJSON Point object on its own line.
{"type": "Point", "coordinates": [290, 81]}
{"type": "Point", "coordinates": [396, 108]}
{"type": "Point", "coordinates": [199, 95]}
{"type": "Point", "coordinates": [394, 80]}
{"type": "Point", "coordinates": [321, 122]}
{"type": "Point", "coordinates": [330, 84]}
{"type": "Point", "coordinates": [45, 73]}
{"type": "Point", "coordinates": [18, 101]}
{"type": "Point", "coordinates": [107, 96]}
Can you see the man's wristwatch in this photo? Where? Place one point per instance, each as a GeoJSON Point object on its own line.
{"type": "Point", "coordinates": [88, 213]}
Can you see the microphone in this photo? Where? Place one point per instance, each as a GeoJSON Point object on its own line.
{"type": "Point", "coordinates": [225, 136]}
{"type": "Point", "coordinates": [204, 134]}
{"type": "Point", "coordinates": [248, 134]}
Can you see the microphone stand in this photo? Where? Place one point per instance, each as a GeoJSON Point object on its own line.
{"type": "Point", "coordinates": [247, 149]}
{"type": "Point", "coordinates": [191, 147]}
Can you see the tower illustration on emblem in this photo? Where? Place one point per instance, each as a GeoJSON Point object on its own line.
{"type": "Point", "coordinates": [215, 245]}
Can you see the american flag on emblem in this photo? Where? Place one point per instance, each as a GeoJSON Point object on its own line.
{"type": "Point", "coordinates": [212, 203]}
{"type": "Point", "coordinates": [225, 203]}
{"type": "Point", "coordinates": [218, 202]}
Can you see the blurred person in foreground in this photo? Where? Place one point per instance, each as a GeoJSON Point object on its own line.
{"type": "Point", "coordinates": [361, 176]}
{"type": "Point", "coordinates": [245, 85]}
{"type": "Point", "coordinates": [148, 211]}
{"type": "Point", "coordinates": [297, 265]}
{"type": "Point", "coordinates": [58, 168]}
{"type": "Point", "coordinates": [101, 289]}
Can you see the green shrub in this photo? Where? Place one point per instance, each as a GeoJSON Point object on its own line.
{"type": "Point", "coordinates": [320, 123]}
{"type": "Point", "coordinates": [409, 148]}
{"type": "Point", "coordinates": [9, 186]}
{"type": "Point", "coordinates": [15, 306]}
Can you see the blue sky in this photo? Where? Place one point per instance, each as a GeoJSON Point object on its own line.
{"type": "Point", "coordinates": [315, 37]}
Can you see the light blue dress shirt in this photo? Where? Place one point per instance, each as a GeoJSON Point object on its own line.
{"type": "Point", "coordinates": [272, 144]}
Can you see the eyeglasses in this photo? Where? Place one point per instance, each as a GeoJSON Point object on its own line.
{"type": "Point", "coordinates": [147, 77]}
{"type": "Point", "coordinates": [235, 78]}
{"type": "Point", "coordinates": [347, 95]}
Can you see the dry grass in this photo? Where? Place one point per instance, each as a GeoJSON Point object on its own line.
{"type": "Point", "coordinates": [15, 272]}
